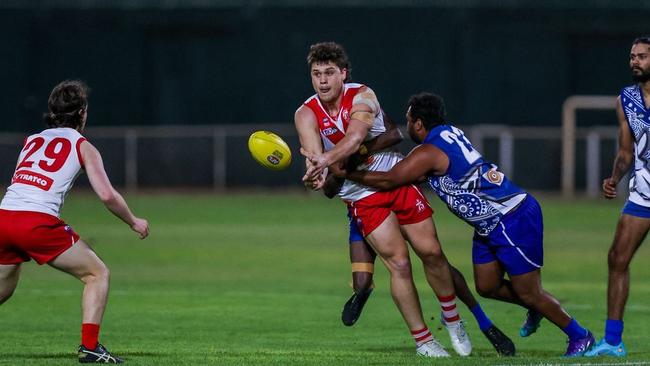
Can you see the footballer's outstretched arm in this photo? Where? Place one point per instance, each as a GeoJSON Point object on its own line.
{"type": "Point", "coordinates": [423, 160]}
{"type": "Point", "coordinates": [102, 186]}
{"type": "Point", "coordinates": [307, 127]}
{"type": "Point", "coordinates": [310, 141]}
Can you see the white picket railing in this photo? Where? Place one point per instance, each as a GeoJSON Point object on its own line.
{"type": "Point", "coordinates": [506, 136]}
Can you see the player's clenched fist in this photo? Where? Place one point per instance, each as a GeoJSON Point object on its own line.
{"type": "Point", "coordinates": [141, 226]}
{"type": "Point", "coordinates": [609, 188]}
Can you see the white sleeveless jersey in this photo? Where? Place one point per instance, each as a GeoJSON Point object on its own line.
{"type": "Point", "coordinates": [46, 169]}
{"type": "Point", "coordinates": [638, 118]}
{"type": "Point", "coordinates": [332, 130]}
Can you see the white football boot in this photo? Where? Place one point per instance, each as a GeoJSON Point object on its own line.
{"type": "Point", "coordinates": [431, 349]}
{"type": "Point", "coordinates": [459, 338]}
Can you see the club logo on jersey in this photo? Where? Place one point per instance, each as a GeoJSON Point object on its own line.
{"type": "Point", "coordinates": [326, 121]}
{"type": "Point", "coordinates": [32, 179]}
{"type": "Point", "coordinates": [275, 157]}
{"type": "Point", "coordinates": [359, 224]}
{"type": "Point", "coordinates": [494, 176]}
{"type": "Point", "coordinates": [329, 131]}
{"type": "Point", "coordinates": [419, 205]}
{"type": "Point", "coordinates": [346, 115]}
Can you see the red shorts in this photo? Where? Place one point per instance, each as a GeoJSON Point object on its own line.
{"type": "Point", "coordinates": [407, 202]}
{"type": "Point", "coordinates": [26, 234]}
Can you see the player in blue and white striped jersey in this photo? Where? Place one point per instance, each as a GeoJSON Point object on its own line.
{"type": "Point", "coordinates": [507, 221]}
{"type": "Point", "coordinates": [633, 148]}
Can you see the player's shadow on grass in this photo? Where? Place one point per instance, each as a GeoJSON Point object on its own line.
{"type": "Point", "coordinates": [4, 356]}
{"type": "Point", "coordinates": [71, 355]}
{"type": "Point", "coordinates": [476, 352]}
{"type": "Point", "coordinates": [389, 349]}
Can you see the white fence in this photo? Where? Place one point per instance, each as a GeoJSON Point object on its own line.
{"type": "Point", "coordinates": [217, 156]}
{"type": "Point", "coordinates": [569, 108]}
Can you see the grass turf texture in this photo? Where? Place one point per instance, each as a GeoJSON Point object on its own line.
{"type": "Point", "coordinates": [254, 279]}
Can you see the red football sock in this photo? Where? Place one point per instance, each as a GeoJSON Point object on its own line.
{"type": "Point", "coordinates": [449, 311]}
{"type": "Point", "coordinates": [89, 335]}
{"type": "Point", "coordinates": [421, 336]}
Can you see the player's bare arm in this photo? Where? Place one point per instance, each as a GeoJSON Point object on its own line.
{"type": "Point", "coordinates": [310, 141]}
{"type": "Point", "coordinates": [624, 156]}
{"type": "Point", "coordinates": [423, 160]}
{"type": "Point", "coordinates": [102, 186]}
{"type": "Point", "coordinates": [391, 137]}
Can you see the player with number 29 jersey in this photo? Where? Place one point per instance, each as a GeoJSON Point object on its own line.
{"type": "Point", "coordinates": [46, 170]}
{"type": "Point", "coordinates": [30, 227]}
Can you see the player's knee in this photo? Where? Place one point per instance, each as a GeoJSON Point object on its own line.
{"type": "Point", "coordinates": [104, 273]}
{"type": "Point", "coordinates": [434, 256]}
{"type": "Point", "coordinates": [400, 267]}
{"type": "Point", "coordinates": [617, 261]}
{"type": "Point", "coordinates": [99, 273]}
{"type": "Point", "coordinates": [486, 290]}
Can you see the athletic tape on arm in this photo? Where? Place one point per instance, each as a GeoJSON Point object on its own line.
{"type": "Point", "coordinates": [368, 98]}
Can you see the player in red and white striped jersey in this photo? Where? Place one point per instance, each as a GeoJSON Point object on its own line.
{"type": "Point", "coordinates": [30, 227]}
{"type": "Point", "coordinates": [339, 118]}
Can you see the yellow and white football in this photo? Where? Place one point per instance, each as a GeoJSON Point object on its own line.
{"type": "Point", "coordinates": [269, 150]}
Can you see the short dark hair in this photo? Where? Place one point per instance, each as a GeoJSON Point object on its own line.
{"type": "Point", "coordinates": [330, 51]}
{"type": "Point", "coordinates": [430, 108]}
{"type": "Point", "coordinates": [645, 40]}
{"type": "Point", "coordinates": [64, 104]}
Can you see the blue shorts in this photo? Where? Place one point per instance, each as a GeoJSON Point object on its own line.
{"type": "Point", "coordinates": [517, 242]}
{"type": "Point", "coordinates": [633, 209]}
{"type": "Point", "coordinates": [355, 233]}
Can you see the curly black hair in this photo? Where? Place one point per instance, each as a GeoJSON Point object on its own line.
{"type": "Point", "coordinates": [429, 108]}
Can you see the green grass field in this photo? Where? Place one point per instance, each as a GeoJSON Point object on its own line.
{"type": "Point", "coordinates": [253, 279]}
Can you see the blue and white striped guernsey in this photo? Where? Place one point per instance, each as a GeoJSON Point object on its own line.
{"type": "Point", "coordinates": [473, 188]}
{"type": "Point", "coordinates": [638, 118]}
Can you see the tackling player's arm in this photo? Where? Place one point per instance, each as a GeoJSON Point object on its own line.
{"type": "Point", "coordinates": [391, 137]}
{"type": "Point", "coordinates": [624, 155]}
{"type": "Point", "coordinates": [362, 114]}
{"type": "Point", "coordinates": [422, 161]}
{"type": "Point", "coordinates": [112, 199]}
{"type": "Point", "coordinates": [310, 141]}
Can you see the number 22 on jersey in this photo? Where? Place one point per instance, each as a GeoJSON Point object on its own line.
{"type": "Point", "coordinates": [456, 136]}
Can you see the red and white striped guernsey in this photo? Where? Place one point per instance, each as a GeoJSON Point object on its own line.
{"type": "Point", "coordinates": [47, 167]}
{"type": "Point", "coordinates": [332, 130]}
